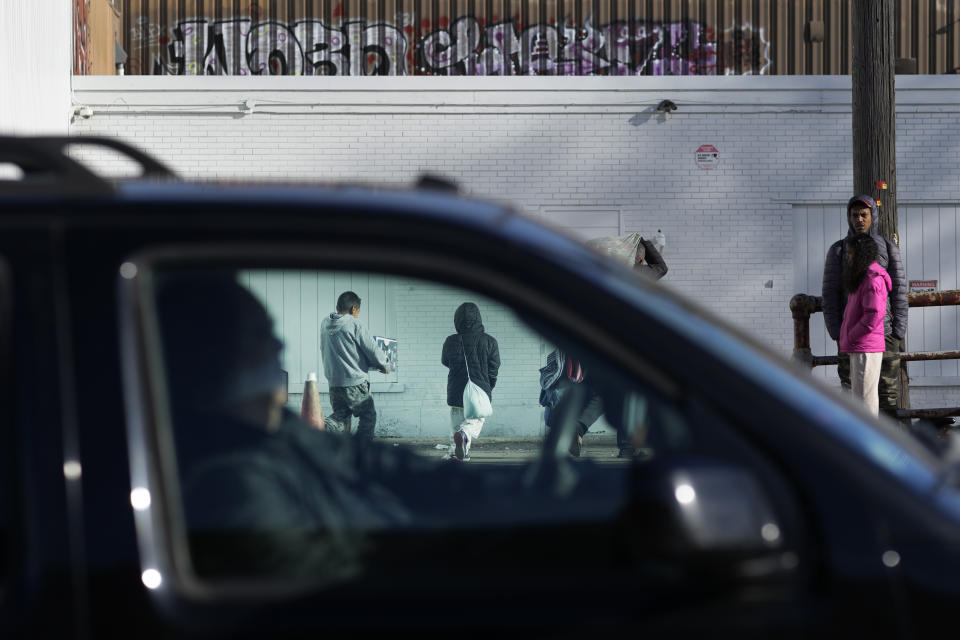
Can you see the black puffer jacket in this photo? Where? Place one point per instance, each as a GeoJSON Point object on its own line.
{"type": "Point", "coordinates": [483, 355]}
{"type": "Point", "coordinates": [888, 256]}
{"type": "Point", "coordinates": [653, 266]}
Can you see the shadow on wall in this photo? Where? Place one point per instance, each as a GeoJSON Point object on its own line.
{"type": "Point", "coordinates": [648, 114]}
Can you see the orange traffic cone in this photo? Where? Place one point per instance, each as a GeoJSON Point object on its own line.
{"type": "Point", "coordinates": [310, 410]}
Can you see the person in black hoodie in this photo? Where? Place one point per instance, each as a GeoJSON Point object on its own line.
{"type": "Point", "coordinates": [648, 260]}
{"type": "Point", "coordinates": [468, 349]}
{"type": "Point", "coordinates": [264, 494]}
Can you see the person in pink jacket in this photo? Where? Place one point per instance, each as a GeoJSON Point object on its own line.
{"type": "Point", "coordinates": [867, 286]}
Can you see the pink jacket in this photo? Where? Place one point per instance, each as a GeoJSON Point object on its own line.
{"type": "Point", "coordinates": [862, 328]}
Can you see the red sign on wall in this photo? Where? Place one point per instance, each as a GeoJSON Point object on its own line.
{"type": "Point", "coordinates": [708, 156]}
{"type": "Point", "coordinates": [923, 286]}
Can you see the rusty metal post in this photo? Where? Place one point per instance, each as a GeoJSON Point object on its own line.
{"type": "Point", "coordinates": [934, 298]}
{"type": "Point", "coordinates": [801, 306]}
{"type": "Point", "coordinates": [929, 414]}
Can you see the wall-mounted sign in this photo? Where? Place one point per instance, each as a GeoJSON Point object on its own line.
{"type": "Point", "coordinates": [708, 156]}
{"type": "Point", "coordinates": [923, 286]}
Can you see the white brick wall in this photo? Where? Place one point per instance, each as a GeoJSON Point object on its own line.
{"type": "Point", "coordinates": [595, 142]}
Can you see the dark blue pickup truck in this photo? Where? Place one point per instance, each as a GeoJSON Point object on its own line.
{"type": "Point", "coordinates": [157, 479]}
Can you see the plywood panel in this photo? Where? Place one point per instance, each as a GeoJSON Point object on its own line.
{"type": "Point", "coordinates": [815, 229]}
{"type": "Point", "coordinates": [801, 251]}
{"type": "Point", "coordinates": [311, 314]}
{"type": "Point", "coordinates": [342, 281]}
{"type": "Point", "coordinates": [911, 246]}
{"type": "Point", "coordinates": [104, 30]}
{"type": "Point", "coordinates": [326, 304]}
{"type": "Point", "coordinates": [931, 270]}
{"type": "Point", "coordinates": [382, 320]}
{"type": "Point", "coordinates": [291, 328]}
{"type": "Point", "coordinates": [949, 316]}
{"type": "Point", "coordinates": [820, 344]}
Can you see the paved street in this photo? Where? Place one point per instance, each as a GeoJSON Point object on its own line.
{"type": "Point", "coordinates": [600, 448]}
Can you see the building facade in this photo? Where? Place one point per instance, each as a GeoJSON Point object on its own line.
{"type": "Point", "coordinates": [747, 180]}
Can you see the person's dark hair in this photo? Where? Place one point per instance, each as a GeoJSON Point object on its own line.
{"type": "Point", "coordinates": [864, 250]}
{"type": "Point", "coordinates": [346, 301]}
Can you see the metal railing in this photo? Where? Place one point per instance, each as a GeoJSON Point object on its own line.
{"type": "Point", "coordinates": [803, 306]}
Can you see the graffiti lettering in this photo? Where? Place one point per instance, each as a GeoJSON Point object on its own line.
{"type": "Point", "coordinates": [466, 46]}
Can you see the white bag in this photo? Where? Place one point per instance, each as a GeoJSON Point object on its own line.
{"type": "Point", "coordinates": [621, 248]}
{"type": "Point", "coordinates": [476, 402]}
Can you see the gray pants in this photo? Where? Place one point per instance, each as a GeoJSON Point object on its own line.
{"type": "Point", "coordinates": [353, 401]}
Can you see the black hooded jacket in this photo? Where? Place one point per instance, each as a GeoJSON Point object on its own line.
{"type": "Point", "coordinates": [653, 266]}
{"type": "Point", "coordinates": [888, 256]}
{"type": "Point", "coordinates": [482, 355]}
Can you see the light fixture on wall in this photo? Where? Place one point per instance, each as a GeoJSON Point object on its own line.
{"type": "Point", "coordinates": [82, 111]}
{"type": "Point", "coordinates": [247, 106]}
{"type": "Point", "coordinates": [666, 106]}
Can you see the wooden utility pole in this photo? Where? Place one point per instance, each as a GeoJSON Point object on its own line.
{"type": "Point", "coordinates": [874, 108]}
{"type": "Point", "coordinates": [874, 122]}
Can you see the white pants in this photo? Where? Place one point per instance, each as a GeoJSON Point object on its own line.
{"type": "Point", "coordinates": [470, 426]}
{"type": "Point", "coordinates": [865, 378]}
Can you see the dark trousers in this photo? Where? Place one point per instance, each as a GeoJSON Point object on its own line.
{"type": "Point", "coordinates": [889, 387]}
{"type": "Point", "coordinates": [591, 408]}
{"type": "Point", "coordinates": [354, 401]}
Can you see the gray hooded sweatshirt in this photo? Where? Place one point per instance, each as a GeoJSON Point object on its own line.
{"type": "Point", "coordinates": [348, 351]}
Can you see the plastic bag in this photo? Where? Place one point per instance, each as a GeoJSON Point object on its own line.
{"type": "Point", "coordinates": [621, 248]}
{"type": "Point", "coordinates": [476, 402]}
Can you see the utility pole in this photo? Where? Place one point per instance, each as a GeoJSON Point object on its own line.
{"type": "Point", "coordinates": [874, 122]}
{"type": "Point", "coordinates": [874, 108]}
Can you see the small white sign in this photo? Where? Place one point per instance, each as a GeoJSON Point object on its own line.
{"type": "Point", "coordinates": [708, 156]}
{"type": "Point", "coordinates": [923, 286]}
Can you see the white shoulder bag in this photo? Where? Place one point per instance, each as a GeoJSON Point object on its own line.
{"type": "Point", "coordinates": [476, 402]}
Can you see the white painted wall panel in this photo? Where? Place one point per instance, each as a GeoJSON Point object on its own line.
{"type": "Point", "coordinates": [930, 249]}
{"type": "Point", "coordinates": [815, 229]}
{"type": "Point", "coordinates": [949, 280]}
{"type": "Point", "coordinates": [298, 301]}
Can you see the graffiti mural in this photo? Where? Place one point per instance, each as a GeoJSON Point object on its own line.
{"type": "Point", "coordinates": [464, 46]}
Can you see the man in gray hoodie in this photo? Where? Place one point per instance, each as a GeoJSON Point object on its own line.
{"type": "Point", "coordinates": [348, 354]}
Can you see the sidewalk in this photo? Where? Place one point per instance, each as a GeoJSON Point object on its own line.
{"type": "Point", "coordinates": [598, 448]}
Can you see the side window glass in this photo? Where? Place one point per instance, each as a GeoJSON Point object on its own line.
{"type": "Point", "coordinates": [482, 434]}
{"type": "Point", "coordinates": [296, 300]}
